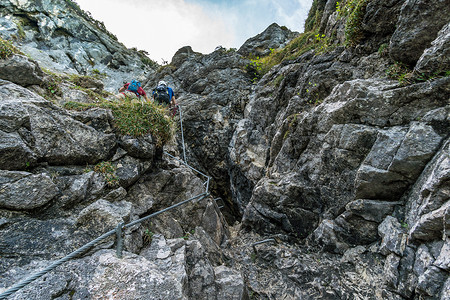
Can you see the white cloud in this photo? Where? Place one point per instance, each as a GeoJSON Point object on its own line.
{"type": "Point", "coordinates": [161, 27]}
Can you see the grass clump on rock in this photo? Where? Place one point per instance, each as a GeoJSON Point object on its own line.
{"type": "Point", "coordinates": [135, 118]}
{"type": "Point", "coordinates": [7, 49]}
{"type": "Point", "coordinates": [353, 11]}
{"type": "Point", "coordinates": [108, 170]}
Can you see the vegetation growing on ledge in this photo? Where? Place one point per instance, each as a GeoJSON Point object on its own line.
{"type": "Point", "coordinates": [353, 11]}
{"type": "Point", "coordinates": [303, 43]}
{"type": "Point", "coordinates": [314, 15]}
{"type": "Point", "coordinates": [7, 49]}
{"type": "Point", "coordinates": [405, 76]}
{"type": "Point", "coordinates": [131, 117]}
{"type": "Point", "coordinates": [135, 118]}
{"type": "Point", "coordinates": [52, 89]}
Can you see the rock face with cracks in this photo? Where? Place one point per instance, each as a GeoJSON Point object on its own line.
{"type": "Point", "coordinates": [333, 177]}
{"type": "Point", "coordinates": [65, 39]}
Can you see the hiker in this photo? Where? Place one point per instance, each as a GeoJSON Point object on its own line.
{"type": "Point", "coordinates": [164, 95]}
{"type": "Point", "coordinates": [132, 89]}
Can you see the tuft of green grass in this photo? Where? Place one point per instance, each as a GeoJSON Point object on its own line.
{"type": "Point", "coordinates": [406, 76]}
{"type": "Point", "coordinates": [188, 234]}
{"type": "Point", "coordinates": [97, 74]}
{"type": "Point", "coordinates": [383, 50]}
{"type": "Point", "coordinates": [20, 30]}
{"type": "Point", "coordinates": [51, 86]}
{"type": "Point", "coordinates": [135, 118]}
{"type": "Point", "coordinates": [353, 30]}
{"type": "Point", "coordinates": [108, 170]}
{"type": "Point", "coordinates": [148, 236]}
{"type": "Point", "coordinates": [7, 49]}
{"type": "Point", "coordinates": [400, 72]}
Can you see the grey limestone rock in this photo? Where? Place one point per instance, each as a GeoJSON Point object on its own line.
{"type": "Point", "coordinates": [25, 191]}
{"type": "Point", "coordinates": [65, 39]}
{"type": "Point", "coordinates": [417, 26]}
{"type": "Point", "coordinates": [230, 284]}
{"type": "Point", "coordinates": [393, 236]}
{"type": "Point", "coordinates": [38, 129]}
{"type": "Point", "coordinates": [436, 58]}
{"type": "Point", "coordinates": [344, 171]}
{"type": "Point", "coordinates": [21, 70]}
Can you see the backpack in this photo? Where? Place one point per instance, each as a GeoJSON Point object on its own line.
{"type": "Point", "coordinates": [161, 94]}
{"type": "Point", "coordinates": [134, 86]}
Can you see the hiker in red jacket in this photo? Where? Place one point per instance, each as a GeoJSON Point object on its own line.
{"type": "Point", "coordinates": [132, 89]}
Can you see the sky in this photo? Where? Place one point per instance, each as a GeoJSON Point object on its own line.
{"type": "Point", "coordinates": [161, 27]}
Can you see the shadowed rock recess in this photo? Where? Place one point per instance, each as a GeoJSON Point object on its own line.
{"type": "Point", "coordinates": [332, 146]}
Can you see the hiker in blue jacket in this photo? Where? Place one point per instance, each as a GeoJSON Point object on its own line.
{"type": "Point", "coordinates": [163, 94]}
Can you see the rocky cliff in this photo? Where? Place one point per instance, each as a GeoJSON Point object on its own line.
{"type": "Point", "coordinates": [328, 157]}
{"type": "Point", "coordinates": [65, 39]}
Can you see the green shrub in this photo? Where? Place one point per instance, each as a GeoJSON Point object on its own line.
{"type": "Point", "coordinates": [314, 15]}
{"type": "Point", "coordinates": [353, 11]}
{"type": "Point", "coordinates": [254, 69]}
{"type": "Point", "coordinates": [303, 43]}
{"type": "Point", "coordinates": [7, 49]}
{"type": "Point", "coordinates": [148, 236]}
{"type": "Point", "coordinates": [135, 118]}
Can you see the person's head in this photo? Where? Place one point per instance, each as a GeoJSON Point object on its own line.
{"type": "Point", "coordinates": [162, 82]}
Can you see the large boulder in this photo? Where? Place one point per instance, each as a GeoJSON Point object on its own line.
{"type": "Point", "coordinates": [166, 269]}
{"type": "Point", "coordinates": [181, 55]}
{"type": "Point", "coordinates": [330, 158]}
{"type": "Point", "coordinates": [25, 191]}
{"type": "Point", "coordinates": [35, 129]}
{"type": "Point", "coordinates": [436, 59]}
{"type": "Point", "coordinates": [21, 70]}
{"type": "Point", "coordinates": [428, 208]}
{"type": "Point", "coordinates": [163, 188]}
{"type": "Point", "coordinates": [102, 274]}
{"type": "Point", "coordinates": [417, 26]}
